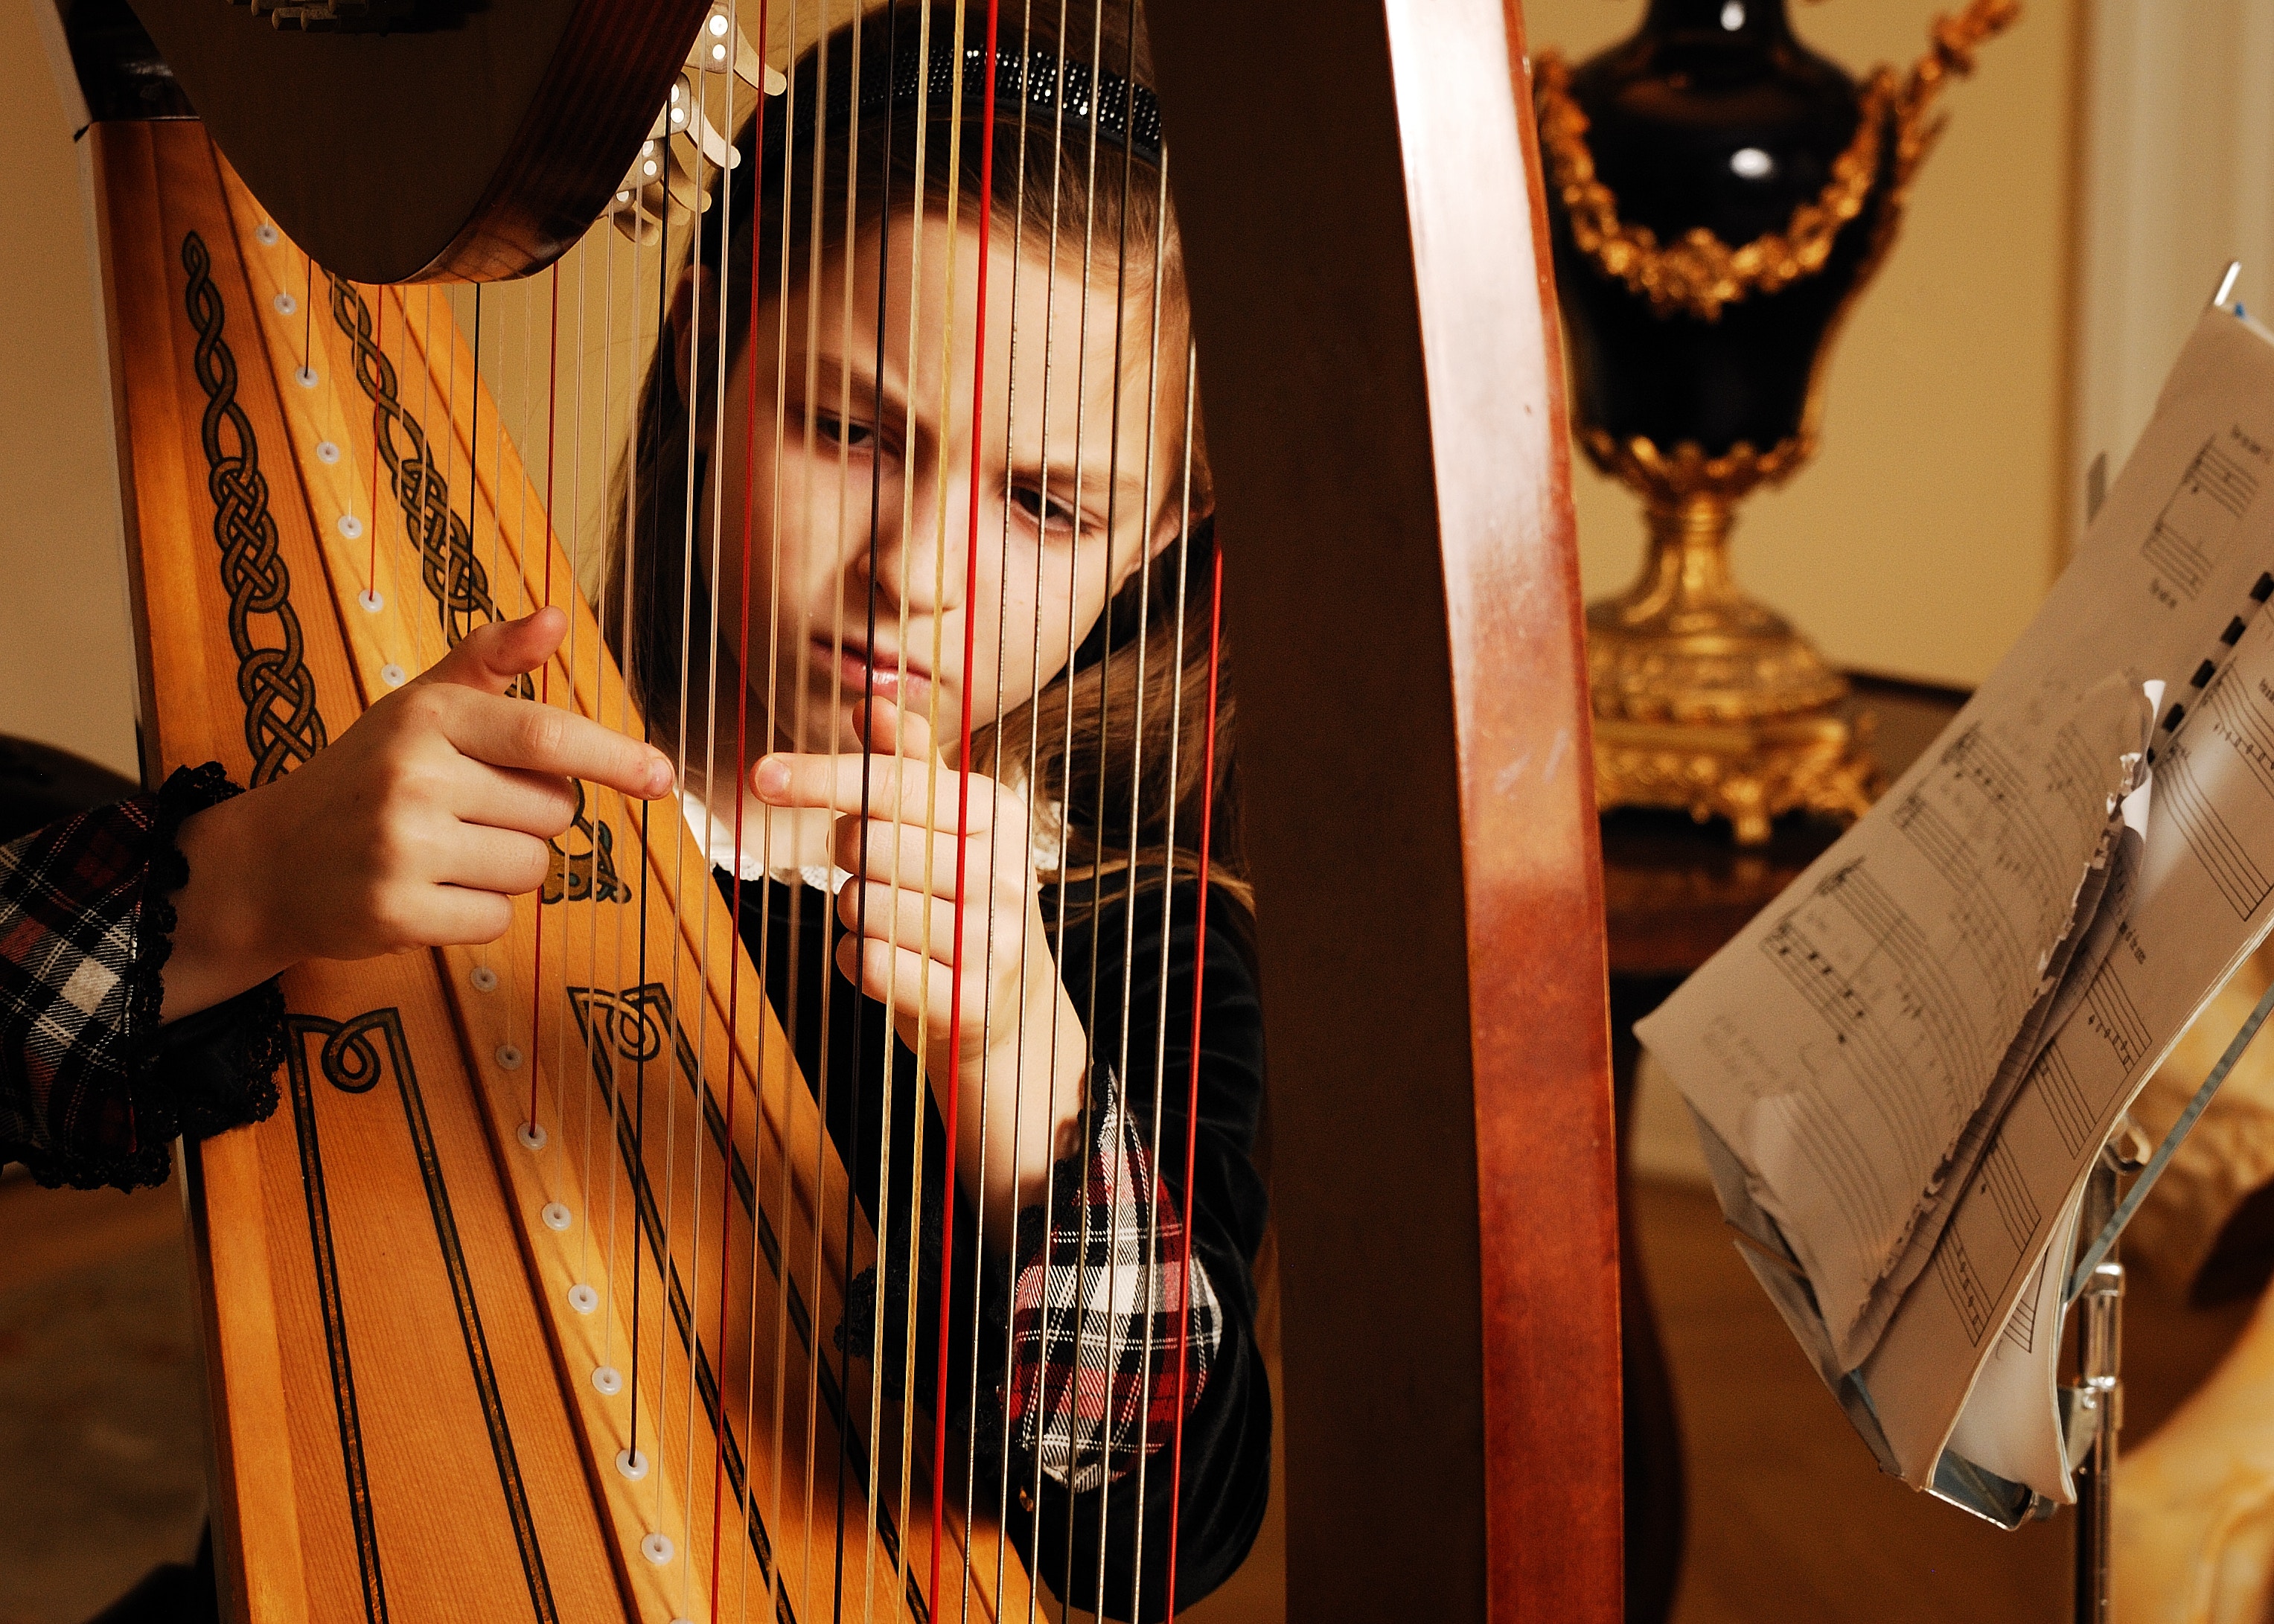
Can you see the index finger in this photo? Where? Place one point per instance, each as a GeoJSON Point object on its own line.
{"type": "Point", "coordinates": [898, 788]}
{"type": "Point", "coordinates": [516, 732]}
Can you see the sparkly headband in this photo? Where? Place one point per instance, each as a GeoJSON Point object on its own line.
{"type": "Point", "coordinates": [1119, 110]}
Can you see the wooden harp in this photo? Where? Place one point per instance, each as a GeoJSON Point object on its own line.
{"type": "Point", "coordinates": [425, 1277]}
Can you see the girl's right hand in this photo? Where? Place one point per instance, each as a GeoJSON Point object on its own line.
{"type": "Point", "coordinates": [415, 829]}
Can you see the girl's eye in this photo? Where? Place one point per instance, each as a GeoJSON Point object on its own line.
{"type": "Point", "coordinates": [1047, 511]}
{"type": "Point", "coordinates": [844, 434]}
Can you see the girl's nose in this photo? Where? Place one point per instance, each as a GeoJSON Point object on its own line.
{"type": "Point", "coordinates": [917, 560]}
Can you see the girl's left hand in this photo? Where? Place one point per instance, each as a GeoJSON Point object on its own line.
{"type": "Point", "coordinates": [900, 915]}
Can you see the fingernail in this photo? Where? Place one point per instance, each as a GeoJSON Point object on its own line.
{"type": "Point", "coordinates": [659, 775]}
{"type": "Point", "coordinates": [772, 777]}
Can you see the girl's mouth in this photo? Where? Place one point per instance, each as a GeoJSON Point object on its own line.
{"type": "Point", "coordinates": [903, 682]}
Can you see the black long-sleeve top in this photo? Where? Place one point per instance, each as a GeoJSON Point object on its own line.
{"type": "Point", "coordinates": [1122, 1474]}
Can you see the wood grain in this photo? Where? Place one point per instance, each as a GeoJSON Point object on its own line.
{"type": "Point", "coordinates": [1361, 203]}
{"type": "Point", "coordinates": [404, 1396]}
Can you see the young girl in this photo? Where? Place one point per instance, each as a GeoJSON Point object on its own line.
{"type": "Point", "coordinates": [825, 532]}
{"type": "Point", "coordinates": [830, 511]}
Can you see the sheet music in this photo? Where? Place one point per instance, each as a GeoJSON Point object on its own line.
{"type": "Point", "coordinates": [2195, 920]}
{"type": "Point", "coordinates": [1866, 1049]}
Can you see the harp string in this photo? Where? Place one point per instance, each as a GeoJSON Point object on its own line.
{"type": "Point", "coordinates": [811, 404]}
{"type": "Point", "coordinates": [887, 1064]}
{"type": "Point", "coordinates": [379, 339]}
{"type": "Point", "coordinates": [791, 1001]}
{"type": "Point", "coordinates": [1147, 1199]}
{"type": "Point", "coordinates": [693, 396]}
{"type": "Point", "coordinates": [735, 963]}
{"type": "Point", "coordinates": [1199, 964]}
{"type": "Point", "coordinates": [712, 473]}
{"type": "Point", "coordinates": [544, 682]}
{"type": "Point", "coordinates": [860, 865]}
{"type": "Point", "coordinates": [1033, 734]}
{"type": "Point", "coordinates": [631, 640]}
{"type": "Point", "coordinates": [925, 965]}
{"type": "Point", "coordinates": [630, 1462]}
{"type": "Point", "coordinates": [1026, 867]}
{"type": "Point", "coordinates": [1086, 1131]}
{"type": "Point", "coordinates": [602, 235]}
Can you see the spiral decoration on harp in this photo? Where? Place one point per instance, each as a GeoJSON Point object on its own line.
{"type": "Point", "coordinates": [453, 576]}
{"type": "Point", "coordinates": [1721, 196]}
{"type": "Point", "coordinates": [589, 875]}
{"type": "Point", "coordinates": [282, 727]}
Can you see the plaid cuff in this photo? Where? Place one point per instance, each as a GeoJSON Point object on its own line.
{"type": "Point", "coordinates": [1097, 1312]}
{"type": "Point", "coordinates": [88, 1084]}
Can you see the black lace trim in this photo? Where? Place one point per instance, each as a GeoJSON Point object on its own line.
{"type": "Point", "coordinates": [211, 1071]}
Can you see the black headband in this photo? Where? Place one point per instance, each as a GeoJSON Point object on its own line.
{"type": "Point", "coordinates": [1119, 111]}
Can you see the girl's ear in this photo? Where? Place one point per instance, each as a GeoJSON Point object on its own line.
{"type": "Point", "coordinates": [1164, 535]}
{"type": "Point", "coordinates": [686, 300]}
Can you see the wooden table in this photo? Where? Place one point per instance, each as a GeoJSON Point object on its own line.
{"type": "Point", "coordinates": [1674, 892]}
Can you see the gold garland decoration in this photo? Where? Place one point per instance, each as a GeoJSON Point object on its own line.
{"type": "Point", "coordinates": [1700, 274]}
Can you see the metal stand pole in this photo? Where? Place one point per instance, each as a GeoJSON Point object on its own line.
{"type": "Point", "coordinates": [2097, 1400]}
{"type": "Point", "coordinates": [2100, 1400]}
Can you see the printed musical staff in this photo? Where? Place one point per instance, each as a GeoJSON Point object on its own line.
{"type": "Point", "coordinates": [1964, 1287]}
{"type": "Point", "coordinates": [2002, 1183]}
{"type": "Point", "coordinates": [1865, 966]}
{"type": "Point", "coordinates": [2196, 522]}
{"type": "Point", "coordinates": [2111, 1015]}
{"type": "Point", "coordinates": [2236, 713]}
{"type": "Point", "coordinates": [2240, 879]}
{"type": "Point", "coordinates": [1979, 813]}
{"type": "Point", "coordinates": [2057, 1086]}
{"type": "Point", "coordinates": [2021, 1324]}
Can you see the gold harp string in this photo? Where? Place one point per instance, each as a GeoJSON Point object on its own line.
{"type": "Point", "coordinates": [1073, 587]}
{"type": "Point", "coordinates": [742, 767]}
{"type": "Point", "coordinates": [1149, 1202]}
{"type": "Point", "coordinates": [1025, 859]}
{"type": "Point", "coordinates": [715, 474]}
{"type": "Point", "coordinates": [860, 876]}
{"type": "Point", "coordinates": [802, 706]}
{"type": "Point", "coordinates": [931, 805]}
{"type": "Point", "coordinates": [598, 234]}
{"type": "Point", "coordinates": [742, 801]}
{"type": "Point", "coordinates": [888, 1067]}
{"type": "Point", "coordinates": [545, 671]}
{"type": "Point", "coordinates": [680, 948]}
{"type": "Point", "coordinates": [1086, 1131]}
{"type": "Point", "coordinates": [790, 996]}
{"type": "Point", "coordinates": [631, 1463]}
{"type": "Point", "coordinates": [629, 633]}
{"type": "Point", "coordinates": [567, 540]}
{"type": "Point", "coordinates": [1120, 1081]}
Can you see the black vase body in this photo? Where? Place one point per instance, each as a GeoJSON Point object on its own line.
{"type": "Point", "coordinates": [1712, 116]}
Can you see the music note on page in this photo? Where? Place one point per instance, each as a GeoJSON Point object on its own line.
{"type": "Point", "coordinates": [2195, 525]}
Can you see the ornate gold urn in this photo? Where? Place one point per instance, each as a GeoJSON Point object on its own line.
{"type": "Point", "coordinates": [1713, 125]}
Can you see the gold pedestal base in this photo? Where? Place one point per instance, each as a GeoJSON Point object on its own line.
{"type": "Point", "coordinates": [1749, 773]}
{"type": "Point", "coordinates": [1706, 701]}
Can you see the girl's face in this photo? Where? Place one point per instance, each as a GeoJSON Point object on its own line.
{"type": "Point", "coordinates": [858, 469]}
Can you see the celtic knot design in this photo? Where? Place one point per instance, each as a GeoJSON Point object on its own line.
{"type": "Point", "coordinates": [282, 727]}
{"type": "Point", "coordinates": [454, 577]}
{"type": "Point", "coordinates": [575, 876]}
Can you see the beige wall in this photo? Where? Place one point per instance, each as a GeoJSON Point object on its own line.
{"type": "Point", "coordinates": [1922, 539]}
{"type": "Point", "coordinates": [1918, 544]}
{"type": "Point", "coordinates": [66, 664]}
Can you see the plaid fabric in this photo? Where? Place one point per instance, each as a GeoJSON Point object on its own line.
{"type": "Point", "coordinates": [85, 931]}
{"type": "Point", "coordinates": [1095, 1314]}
